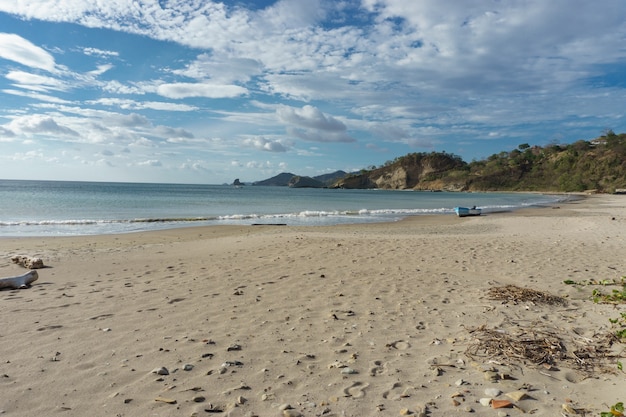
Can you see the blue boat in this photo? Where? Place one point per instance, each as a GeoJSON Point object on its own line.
{"type": "Point", "coordinates": [467, 211]}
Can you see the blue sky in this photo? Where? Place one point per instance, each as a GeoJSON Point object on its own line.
{"type": "Point", "coordinates": [195, 91]}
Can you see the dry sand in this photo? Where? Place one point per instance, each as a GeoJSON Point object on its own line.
{"type": "Point", "coordinates": [359, 320]}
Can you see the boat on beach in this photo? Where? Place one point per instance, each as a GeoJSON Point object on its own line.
{"type": "Point", "coordinates": [467, 211]}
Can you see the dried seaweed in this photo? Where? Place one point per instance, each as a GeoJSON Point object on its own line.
{"type": "Point", "coordinates": [536, 346]}
{"type": "Point", "coordinates": [544, 346]}
{"type": "Point", "coordinates": [515, 294]}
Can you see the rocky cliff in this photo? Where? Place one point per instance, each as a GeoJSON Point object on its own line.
{"type": "Point", "coordinates": [414, 171]}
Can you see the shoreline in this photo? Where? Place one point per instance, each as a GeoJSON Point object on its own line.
{"type": "Point", "coordinates": [195, 209]}
{"type": "Point", "coordinates": [349, 320]}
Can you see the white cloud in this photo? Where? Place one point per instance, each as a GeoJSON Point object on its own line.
{"type": "Point", "coordinates": [310, 117]}
{"type": "Point", "coordinates": [221, 68]}
{"type": "Point", "coordinates": [185, 90]}
{"type": "Point", "coordinates": [264, 144]}
{"type": "Point", "coordinates": [39, 124]}
{"type": "Point", "coordinates": [101, 70]}
{"type": "Point", "coordinates": [320, 136]}
{"type": "Point", "coordinates": [172, 133]}
{"type": "Point", "coordinates": [311, 124]}
{"type": "Point", "coordinates": [286, 14]}
{"type": "Point", "coordinates": [6, 135]}
{"type": "Point", "coordinates": [99, 52]}
{"type": "Point", "coordinates": [150, 163]}
{"type": "Point", "coordinates": [36, 96]}
{"type": "Point", "coordinates": [35, 82]}
{"type": "Point", "coordinates": [128, 104]}
{"type": "Point", "coordinates": [116, 87]}
{"type": "Point", "coordinates": [15, 48]}
{"type": "Point", "coordinates": [128, 120]}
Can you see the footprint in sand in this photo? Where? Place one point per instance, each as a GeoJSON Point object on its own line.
{"type": "Point", "coordinates": [378, 368]}
{"type": "Point", "coordinates": [356, 390]}
{"type": "Point", "coordinates": [398, 391]}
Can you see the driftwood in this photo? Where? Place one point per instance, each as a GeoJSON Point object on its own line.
{"type": "Point", "coordinates": [20, 281]}
{"type": "Point", "coordinates": [27, 261]}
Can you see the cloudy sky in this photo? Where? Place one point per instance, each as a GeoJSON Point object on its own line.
{"type": "Point", "coordinates": [200, 91]}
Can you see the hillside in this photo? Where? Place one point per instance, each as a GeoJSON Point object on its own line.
{"type": "Point", "coordinates": [598, 165]}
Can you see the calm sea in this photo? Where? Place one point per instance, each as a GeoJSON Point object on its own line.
{"type": "Point", "coordinates": [61, 208]}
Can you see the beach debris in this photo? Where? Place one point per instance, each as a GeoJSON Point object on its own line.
{"type": "Point", "coordinates": [27, 261]}
{"type": "Point", "coordinates": [165, 400]}
{"type": "Point", "coordinates": [187, 367]}
{"type": "Point", "coordinates": [233, 347]}
{"type": "Point", "coordinates": [515, 294]}
{"type": "Point", "coordinates": [231, 363]}
{"type": "Point", "coordinates": [501, 404]}
{"type": "Point", "coordinates": [534, 344]}
{"type": "Point", "coordinates": [198, 399]}
{"type": "Point", "coordinates": [541, 346]}
{"type": "Point", "coordinates": [20, 281]}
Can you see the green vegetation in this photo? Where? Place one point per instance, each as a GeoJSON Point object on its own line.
{"type": "Point", "coordinates": [616, 296]}
{"type": "Point", "coordinates": [599, 164]}
{"type": "Point", "coordinates": [617, 410]}
{"type": "Point", "coordinates": [621, 323]}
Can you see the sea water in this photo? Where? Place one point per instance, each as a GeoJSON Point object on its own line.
{"type": "Point", "coordinates": [61, 208]}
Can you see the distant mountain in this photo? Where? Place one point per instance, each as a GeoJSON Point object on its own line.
{"type": "Point", "coordinates": [287, 179]}
{"type": "Point", "coordinates": [305, 182]}
{"type": "Point", "coordinates": [280, 180]}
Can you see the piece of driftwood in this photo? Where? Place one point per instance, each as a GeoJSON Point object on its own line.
{"type": "Point", "coordinates": [20, 281]}
{"type": "Point", "coordinates": [27, 261]}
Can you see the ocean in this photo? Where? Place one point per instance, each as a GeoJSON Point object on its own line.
{"type": "Point", "coordinates": [67, 208]}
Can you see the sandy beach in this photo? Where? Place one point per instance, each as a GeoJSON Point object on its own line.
{"type": "Point", "coordinates": [359, 320]}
